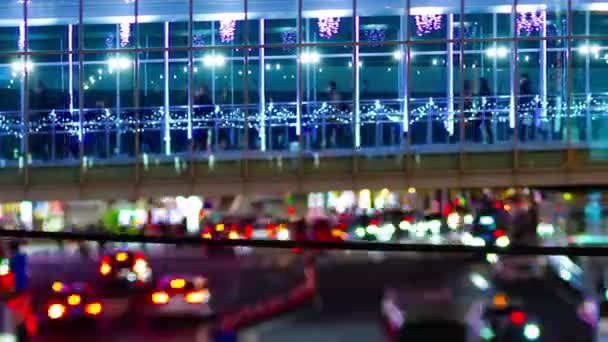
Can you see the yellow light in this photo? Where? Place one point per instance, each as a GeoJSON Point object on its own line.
{"type": "Point", "coordinates": [233, 235]}
{"type": "Point", "coordinates": [197, 296]}
{"type": "Point", "coordinates": [56, 311]}
{"type": "Point", "coordinates": [74, 299]}
{"type": "Point", "coordinates": [160, 298]}
{"type": "Point", "coordinates": [567, 196]}
{"type": "Point", "coordinates": [178, 283]}
{"type": "Point", "coordinates": [57, 286]}
{"type": "Point", "coordinates": [207, 236]}
{"type": "Point", "coordinates": [219, 227]}
{"type": "Point", "coordinates": [411, 190]}
{"type": "Point", "coordinates": [500, 301]}
{"type": "Point", "coordinates": [122, 256]}
{"type": "Point", "coordinates": [93, 309]}
{"type": "Point", "coordinates": [105, 269]}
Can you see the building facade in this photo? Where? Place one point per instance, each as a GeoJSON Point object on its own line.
{"type": "Point", "coordinates": [123, 80]}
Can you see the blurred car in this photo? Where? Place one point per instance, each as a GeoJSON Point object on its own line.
{"type": "Point", "coordinates": [559, 305]}
{"type": "Point", "coordinates": [490, 227]}
{"type": "Point", "coordinates": [177, 296]}
{"type": "Point", "coordinates": [69, 302]}
{"type": "Point", "coordinates": [125, 268]}
{"type": "Point", "coordinates": [442, 307]}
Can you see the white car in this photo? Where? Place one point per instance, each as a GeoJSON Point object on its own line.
{"type": "Point", "coordinates": [178, 296]}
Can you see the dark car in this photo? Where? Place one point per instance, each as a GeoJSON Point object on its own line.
{"type": "Point", "coordinates": [69, 303]}
{"type": "Point", "coordinates": [125, 268]}
{"type": "Point", "coordinates": [444, 307]}
{"type": "Point", "coordinates": [559, 306]}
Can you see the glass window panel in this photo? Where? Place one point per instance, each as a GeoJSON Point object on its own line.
{"type": "Point", "coordinates": [220, 24]}
{"type": "Point", "coordinates": [327, 117]}
{"type": "Point", "coordinates": [381, 80]}
{"type": "Point", "coordinates": [11, 115]}
{"type": "Point", "coordinates": [109, 117]}
{"type": "Point", "coordinates": [12, 30]}
{"type": "Point", "coordinates": [53, 110]}
{"type": "Point", "coordinates": [589, 19]}
{"type": "Point", "coordinates": [483, 21]}
{"type": "Point", "coordinates": [280, 20]}
{"type": "Point", "coordinates": [430, 22]}
{"type": "Point", "coordinates": [487, 88]}
{"type": "Point", "coordinates": [152, 32]}
{"type": "Point", "coordinates": [43, 36]}
{"type": "Point", "coordinates": [280, 89]}
{"type": "Point", "coordinates": [108, 24]}
{"type": "Point", "coordinates": [547, 18]}
{"type": "Point", "coordinates": [327, 21]}
{"type": "Point", "coordinates": [431, 105]}
{"type": "Point", "coordinates": [381, 21]}
{"type": "Point", "coordinates": [589, 86]}
{"type": "Point", "coordinates": [218, 125]}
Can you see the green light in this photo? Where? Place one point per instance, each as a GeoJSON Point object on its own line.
{"type": "Point", "coordinates": [606, 294]}
{"type": "Point", "coordinates": [532, 332]}
{"type": "Point", "coordinates": [486, 333]}
{"type": "Point", "coordinates": [360, 232]}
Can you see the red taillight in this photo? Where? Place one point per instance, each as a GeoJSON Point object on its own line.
{"type": "Point", "coordinates": [498, 233]}
{"type": "Point", "coordinates": [497, 205]}
{"type": "Point", "coordinates": [160, 297]}
{"type": "Point", "coordinates": [517, 317]}
{"type": "Point", "coordinates": [93, 309]}
{"type": "Point", "coordinates": [248, 231]}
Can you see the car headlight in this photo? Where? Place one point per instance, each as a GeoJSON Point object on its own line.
{"type": "Point", "coordinates": [283, 234]}
{"type": "Point", "coordinates": [503, 241]}
{"type": "Point", "coordinates": [531, 331]}
{"type": "Point", "coordinates": [140, 266]}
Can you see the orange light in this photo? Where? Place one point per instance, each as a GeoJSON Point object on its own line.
{"type": "Point", "coordinates": [56, 311]}
{"type": "Point", "coordinates": [74, 299]}
{"type": "Point", "coordinates": [197, 297]}
{"type": "Point", "coordinates": [160, 298]}
{"type": "Point", "coordinates": [207, 236]}
{"type": "Point", "coordinates": [219, 227]}
{"type": "Point", "coordinates": [178, 283]}
{"type": "Point", "coordinates": [233, 235]}
{"type": "Point", "coordinates": [507, 207]}
{"type": "Point", "coordinates": [500, 301]}
{"type": "Point", "coordinates": [93, 309]}
{"type": "Point", "coordinates": [105, 268]}
{"type": "Point", "coordinates": [122, 256]}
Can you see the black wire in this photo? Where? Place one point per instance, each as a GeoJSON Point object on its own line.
{"type": "Point", "coordinates": [317, 245]}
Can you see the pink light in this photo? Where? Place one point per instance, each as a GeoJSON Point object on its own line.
{"type": "Point", "coordinates": [125, 33]}
{"type": "Point", "coordinates": [530, 21]}
{"type": "Point", "coordinates": [21, 40]}
{"type": "Point", "coordinates": [427, 23]}
{"type": "Point", "coordinates": [227, 30]}
{"type": "Point", "coordinates": [328, 26]}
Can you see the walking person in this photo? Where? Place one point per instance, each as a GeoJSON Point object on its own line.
{"type": "Point", "coordinates": [20, 305]}
{"type": "Point", "coordinates": [485, 123]}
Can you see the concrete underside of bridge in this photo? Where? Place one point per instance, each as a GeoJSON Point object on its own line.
{"type": "Point", "coordinates": [471, 170]}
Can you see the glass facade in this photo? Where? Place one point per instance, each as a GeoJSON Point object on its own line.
{"type": "Point", "coordinates": [119, 80]}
